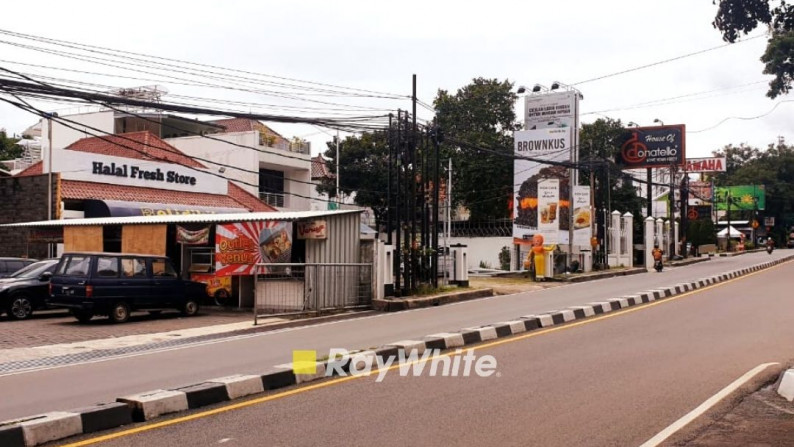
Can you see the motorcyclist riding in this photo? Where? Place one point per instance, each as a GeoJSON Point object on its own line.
{"type": "Point", "coordinates": [770, 245]}
{"type": "Point", "coordinates": [657, 257]}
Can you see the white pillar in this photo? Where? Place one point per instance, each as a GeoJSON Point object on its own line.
{"type": "Point", "coordinates": [659, 234]}
{"type": "Point", "coordinates": [666, 238]}
{"type": "Point", "coordinates": [650, 235]}
{"type": "Point", "coordinates": [628, 233]}
{"type": "Point", "coordinates": [675, 231]}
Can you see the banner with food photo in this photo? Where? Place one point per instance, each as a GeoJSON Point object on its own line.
{"type": "Point", "coordinates": [192, 237]}
{"type": "Point", "coordinates": [548, 203]}
{"type": "Point", "coordinates": [582, 216]}
{"type": "Point", "coordinates": [240, 246]}
{"type": "Point", "coordinates": [540, 154]}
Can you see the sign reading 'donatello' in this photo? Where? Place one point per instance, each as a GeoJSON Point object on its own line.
{"type": "Point", "coordinates": [649, 147]}
{"type": "Point", "coordinates": [90, 167]}
{"type": "Point", "coordinates": [713, 164]}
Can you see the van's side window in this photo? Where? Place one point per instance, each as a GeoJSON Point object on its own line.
{"type": "Point", "coordinates": [75, 266]}
{"type": "Point", "coordinates": [162, 268]}
{"type": "Point", "coordinates": [107, 267]}
{"type": "Point", "coordinates": [133, 267]}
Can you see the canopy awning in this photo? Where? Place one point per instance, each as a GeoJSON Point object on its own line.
{"type": "Point", "coordinates": [733, 232]}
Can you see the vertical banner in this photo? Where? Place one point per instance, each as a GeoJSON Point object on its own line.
{"type": "Point", "coordinates": [582, 216]}
{"type": "Point", "coordinates": [548, 210]}
{"type": "Point", "coordinates": [239, 246]}
{"type": "Point", "coordinates": [538, 147]}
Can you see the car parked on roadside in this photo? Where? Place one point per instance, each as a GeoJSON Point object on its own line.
{"type": "Point", "coordinates": [26, 290]}
{"type": "Point", "coordinates": [11, 265]}
{"type": "Point", "coordinates": [115, 284]}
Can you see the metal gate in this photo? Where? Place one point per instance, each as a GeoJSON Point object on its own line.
{"type": "Point", "coordinates": [294, 289]}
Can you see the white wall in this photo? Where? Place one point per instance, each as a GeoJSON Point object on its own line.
{"type": "Point", "coordinates": [245, 161]}
{"type": "Point", "coordinates": [482, 249]}
{"type": "Point", "coordinates": [63, 136]}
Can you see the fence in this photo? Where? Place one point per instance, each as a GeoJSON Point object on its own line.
{"type": "Point", "coordinates": [293, 289]}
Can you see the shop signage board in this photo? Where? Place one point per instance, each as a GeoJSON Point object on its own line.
{"type": "Point", "coordinates": [240, 246]}
{"type": "Point", "coordinates": [712, 164]}
{"type": "Point", "coordinates": [90, 167]}
{"type": "Point", "coordinates": [652, 147]}
{"type": "Point", "coordinates": [312, 229]}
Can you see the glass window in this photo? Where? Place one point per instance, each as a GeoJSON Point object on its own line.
{"type": "Point", "coordinates": [163, 268]}
{"type": "Point", "coordinates": [13, 266]}
{"type": "Point", "coordinates": [133, 267]}
{"type": "Point", "coordinates": [107, 267]}
{"type": "Point", "coordinates": [75, 266]}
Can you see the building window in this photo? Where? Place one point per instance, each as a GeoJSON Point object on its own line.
{"type": "Point", "coordinates": [271, 187]}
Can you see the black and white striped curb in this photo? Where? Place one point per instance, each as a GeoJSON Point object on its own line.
{"type": "Point", "coordinates": [35, 430]}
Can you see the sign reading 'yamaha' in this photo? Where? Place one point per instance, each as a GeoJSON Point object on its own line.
{"type": "Point", "coordinates": [649, 147]}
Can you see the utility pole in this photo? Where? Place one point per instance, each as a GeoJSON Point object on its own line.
{"type": "Point", "coordinates": [389, 142]}
{"type": "Point", "coordinates": [436, 183]}
{"type": "Point", "coordinates": [338, 198]}
{"type": "Point", "coordinates": [448, 233]}
{"type": "Point", "coordinates": [670, 195]}
{"type": "Point", "coordinates": [398, 227]}
{"type": "Point", "coordinates": [728, 198]}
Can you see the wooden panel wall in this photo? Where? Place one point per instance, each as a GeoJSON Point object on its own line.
{"type": "Point", "coordinates": [144, 239]}
{"type": "Point", "coordinates": [82, 238]}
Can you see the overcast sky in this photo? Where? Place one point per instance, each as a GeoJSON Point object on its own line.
{"type": "Point", "coordinates": [378, 46]}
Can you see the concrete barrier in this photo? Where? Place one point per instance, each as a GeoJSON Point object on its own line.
{"type": "Point", "coordinates": [149, 405]}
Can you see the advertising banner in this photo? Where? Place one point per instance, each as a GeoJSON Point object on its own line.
{"type": "Point", "coordinates": [192, 237]}
{"type": "Point", "coordinates": [214, 283]}
{"type": "Point", "coordinates": [312, 229]}
{"type": "Point", "coordinates": [550, 110]}
{"type": "Point", "coordinates": [548, 208]}
{"type": "Point", "coordinates": [713, 164]}
{"type": "Point", "coordinates": [540, 146]}
{"type": "Point", "coordinates": [699, 212]}
{"type": "Point", "coordinates": [239, 246]}
{"type": "Point", "coordinates": [649, 147]}
{"type": "Point", "coordinates": [702, 191]}
{"type": "Point", "coordinates": [744, 197]}
{"type": "Point", "coordinates": [582, 216]}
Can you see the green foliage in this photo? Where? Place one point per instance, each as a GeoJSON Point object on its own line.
{"type": "Point", "coordinates": [773, 168]}
{"type": "Point", "coordinates": [737, 17]}
{"type": "Point", "coordinates": [504, 258]}
{"type": "Point", "coordinates": [598, 146]}
{"type": "Point", "coordinates": [481, 115]}
{"type": "Point", "coordinates": [363, 166]}
{"type": "Point", "coordinates": [9, 149]}
{"type": "Point", "coordinates": [701, 232]}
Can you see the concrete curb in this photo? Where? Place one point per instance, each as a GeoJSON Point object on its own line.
{"type": "Point", "coordinates": [39, 429]}
{"type": "Point", "coordinates": [398, 304]}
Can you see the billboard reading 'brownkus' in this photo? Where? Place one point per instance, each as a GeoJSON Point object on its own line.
{"type": "Point", "coordinates": [652, 147]}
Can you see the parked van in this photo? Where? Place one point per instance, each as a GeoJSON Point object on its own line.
{"type": "Point", "coordinates": [116, 284]}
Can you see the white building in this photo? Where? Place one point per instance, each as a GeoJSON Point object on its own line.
{"type": "Point", "coordinates": [246, 152]}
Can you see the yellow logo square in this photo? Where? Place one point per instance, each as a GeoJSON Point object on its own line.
{"type": "Point", "coordinates": [304, 362]}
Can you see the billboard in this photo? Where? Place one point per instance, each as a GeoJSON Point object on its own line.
{"type": "Point", "coordinates": [702, 191]}
{"type": "Point", "coordinates": [652, 147]}
{"type": "Point", "coordinates": [743, 197]}
{"type": "Point", "coordinates": [582, 216]}
{"type": "Point", "coordinates": [538, 147]}
{"type": "Point", "coordinates": [550, 110]}
{"type": "Point", "coordinates": [548, 209]}
{"type": "Point", "coordinates": [240, 246]}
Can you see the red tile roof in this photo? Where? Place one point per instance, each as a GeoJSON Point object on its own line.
{"type": "Point", "coordinates": [248, 125]}
{"type": "Point", "coordinates": [236, 198]}
{"type": "Point", "coordinates": [138, 145]}
{"type": "Point", "coordinates": [34, 169]}
{"type": "Point", "coordinates": [320, 168]}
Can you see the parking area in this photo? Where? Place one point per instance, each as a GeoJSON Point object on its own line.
{"type": "Point", "coordinates": [53, 327]}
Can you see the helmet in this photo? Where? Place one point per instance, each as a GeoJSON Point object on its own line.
{"type": "Point", "coordinates": [655, 245]}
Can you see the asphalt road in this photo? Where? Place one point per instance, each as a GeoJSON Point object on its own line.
{"type": "Point", "coordinates": [613, 381]}
{"type": "Point", "coordinates": [79, 385]}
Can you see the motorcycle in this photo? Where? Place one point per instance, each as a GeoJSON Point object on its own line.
{"type": "Point", "coordinates": [658, 265]}
{"type": "Point", "coordinates": [770, 249]}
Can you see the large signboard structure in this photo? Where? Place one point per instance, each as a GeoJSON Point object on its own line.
{"type": "Point", "coordinates": [543, 152]}
{"type": "Point", "coordinates": [743, 197]}
{"type": "Point", "coordinates": [652, 147]}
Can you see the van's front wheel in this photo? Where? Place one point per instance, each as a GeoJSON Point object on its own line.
{"type": "Point", "coordinates": [190, 307]}
{"type": "Point", "coordinates": [120, 312]}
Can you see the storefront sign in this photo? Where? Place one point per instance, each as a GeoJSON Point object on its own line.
{"type": "Point", "coordinates": [90, 167]}
{"type": "Point", "coordinates": [648, 147]}
{"type": "Point", "coordinates": [240, 246]}
{"type": "Point", "coordinates": [312, 229]}
{"type": "Point", "coordinates": [582, 216]}
{"type": "Point", "coordinates": [713, 164]}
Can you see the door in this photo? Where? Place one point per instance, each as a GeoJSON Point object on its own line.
{"type": "Point", "coordinates": [135, 283]}
{"type": "Point", "coordinates": [167, 289]}
{"type": "Point", "coordinates": [69, 284]}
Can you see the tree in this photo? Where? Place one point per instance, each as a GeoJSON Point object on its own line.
{"type": "Point", "coordinates": [363, 166]}
{"type": "Point", "coordinates": [478, 123]}
{"type": "Point", "coordinates": [9, 149]}
{"type": "Point", "coordinates": [737, 17]}
{"type": "Point", "coordinates": [598, 147]}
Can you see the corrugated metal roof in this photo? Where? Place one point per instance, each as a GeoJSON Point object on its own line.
{"type": "Point", "coordinates": [186, 218]}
